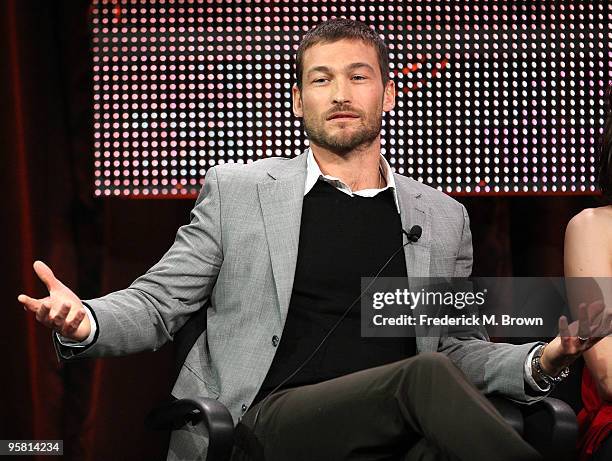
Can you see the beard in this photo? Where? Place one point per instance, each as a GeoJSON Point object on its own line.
{"type": "Point", "coordinates": [343, 141]}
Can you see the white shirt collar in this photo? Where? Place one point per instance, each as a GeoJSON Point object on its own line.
{"type": "Point", "coordinates": [313, 173]}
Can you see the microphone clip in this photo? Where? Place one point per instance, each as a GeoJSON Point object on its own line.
{"type": "Point", "coordinates": [414, 234]}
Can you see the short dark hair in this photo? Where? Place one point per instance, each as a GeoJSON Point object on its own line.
{"type": "Point", "coordinates": [337, 29]}
{"type": "Point", "coordinates": [604, 162]}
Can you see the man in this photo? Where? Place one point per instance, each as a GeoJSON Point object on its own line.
{"type": "Point", "coordinates": [275, 250]}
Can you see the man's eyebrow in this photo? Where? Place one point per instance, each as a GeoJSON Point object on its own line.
{"type": "Point", "coordinates": [351, 66]}
{"type": "Point", "coordinates": [356, 65]}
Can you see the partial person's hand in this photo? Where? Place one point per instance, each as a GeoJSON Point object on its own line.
{"type": "Point", "coordinates": [62, 310]}
{"type": "Point", "coordinates": [593, 324]}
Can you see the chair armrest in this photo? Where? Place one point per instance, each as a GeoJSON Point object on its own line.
{"type": "Point", "coordinates": [551, 428]}
{"type": "Point", "coordinates": [511, 412]}
{"type": "Point", "coordinates": [212, 413]}
{"type": "Point", "coordinates": [548, 425]}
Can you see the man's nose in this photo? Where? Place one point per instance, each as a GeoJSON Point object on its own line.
{"type": "Point", "coordinates": [341, 93]}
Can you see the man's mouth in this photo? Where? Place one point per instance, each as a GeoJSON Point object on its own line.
{"type": "Point", "coordinates": [343, 116]}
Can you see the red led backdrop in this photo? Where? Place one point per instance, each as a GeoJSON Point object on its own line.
{"type": "Point", "coordinates": [493, 97]}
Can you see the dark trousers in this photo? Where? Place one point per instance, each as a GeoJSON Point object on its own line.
{"type": "Point", "coordinates": [421, 408]}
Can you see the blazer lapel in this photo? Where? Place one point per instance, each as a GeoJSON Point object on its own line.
{"type": "Point", "coordinates": [281, 197]}
{"type": "Point", "coordinates": [414, 212]}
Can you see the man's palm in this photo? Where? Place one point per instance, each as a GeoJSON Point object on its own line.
{"type": "Point", "coordinates": [62, 310]}
{"type": "Point", "coordinates": [593, 324]}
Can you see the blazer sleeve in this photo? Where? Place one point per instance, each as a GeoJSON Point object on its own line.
{"type": "Point", "coordinates": [153, 308]}
{"type": "Point", "coordinates": [494, 368]}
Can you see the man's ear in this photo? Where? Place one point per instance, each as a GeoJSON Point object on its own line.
{"type": "Point", "coordinates": [298, 110]}
{"type": "Point", "coordinates": [389, 96]}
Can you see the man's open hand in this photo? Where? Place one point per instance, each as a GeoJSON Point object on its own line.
{"type": "Point", "coordinates": [62, 310]}
{"type": "Point", "coordinates": [594, 323]}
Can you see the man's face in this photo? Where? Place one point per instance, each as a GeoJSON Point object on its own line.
{"type": "Point", "coordinates": [342, 98]}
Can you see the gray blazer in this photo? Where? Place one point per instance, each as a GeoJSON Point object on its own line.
{"type": "Point", "coordinates": [239, 251]}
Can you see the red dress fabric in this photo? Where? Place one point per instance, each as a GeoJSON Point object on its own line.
{"type": "Point", "coordinates": [594, 420]}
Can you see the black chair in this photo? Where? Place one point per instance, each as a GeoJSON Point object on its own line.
{"type": "Point", "coordinates": [549, 425]}
{"type": "Point", "coordinates": [198, 410]}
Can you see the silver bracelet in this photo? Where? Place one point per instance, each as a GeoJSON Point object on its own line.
{"type": "Point", "coordinates": [537, 366]}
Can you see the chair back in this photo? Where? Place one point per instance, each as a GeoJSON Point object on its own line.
{"type": "Point", "coordinates": [185, 338]}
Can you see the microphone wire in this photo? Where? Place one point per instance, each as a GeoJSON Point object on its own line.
{"type": "Point", "coordinates": [412, 236]}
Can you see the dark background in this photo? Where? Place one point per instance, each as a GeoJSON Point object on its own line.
{"type": "Point", "coordinates": [99, 245]}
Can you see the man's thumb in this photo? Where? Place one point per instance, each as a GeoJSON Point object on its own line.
{"type": "Point", "coordinates": [45, 274]}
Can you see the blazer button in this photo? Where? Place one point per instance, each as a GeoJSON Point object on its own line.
{"type": "Point", "coordinates": [244, 407]}
{"type": "Point", "coordinates": [275, 340]}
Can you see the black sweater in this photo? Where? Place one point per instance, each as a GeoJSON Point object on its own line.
{"type": "Point", "coordinates": [342, 239]}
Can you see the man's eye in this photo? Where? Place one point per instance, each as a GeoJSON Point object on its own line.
{"type": "Point", "coordinates": [319, 80]}
{"type": "Point", "coordinates": [361, 77]}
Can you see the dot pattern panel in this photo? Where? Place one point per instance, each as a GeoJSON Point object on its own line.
{"type": "Point", "coordinates": [492, 97]}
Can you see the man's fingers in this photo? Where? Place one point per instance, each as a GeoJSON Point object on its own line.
{"type": "Point", "coordinates": [584, 325]}
{"type": "Point", "coordinates": [45, 274]}
{"type": "Point", "coordinates": [30, 304]}
{"type": "Point", "coordinates": [599, 319]}
{"type": "Point", "coordinates": [74, 314]}
{"type": "Point", "coordinates": [604, 328]}
{"type": "Point", "coordinates": [596, 308]}
{"type": "Point", "coordinates": [58, 318]}
{"type": "Point", "coordinates": [65, 319]}
{"type": "Point", "coordinates": [71, 326]}
{"type": "Point", "coordinates": [563, 327]}
{"type": "Point", "coordinates": [42, 314]}
{"type": "Point", "coordinates": [51, 318]}
{"type": "Point", "coordinates": [564, 332]}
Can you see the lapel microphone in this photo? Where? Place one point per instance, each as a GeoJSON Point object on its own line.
{"type": "Point", "coordinates": [413, 236]}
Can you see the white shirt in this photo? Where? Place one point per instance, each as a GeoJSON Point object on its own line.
{"type": "Point", "coordinates": [313, 173]}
